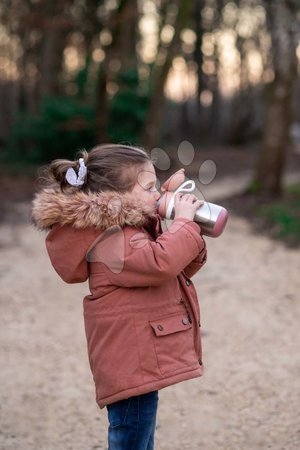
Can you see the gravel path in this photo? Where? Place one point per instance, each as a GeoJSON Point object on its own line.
{"type": "Point", "coordinates": [248, 398]}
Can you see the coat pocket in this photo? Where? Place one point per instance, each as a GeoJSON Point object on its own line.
{"type": "Point", "coordinates": [173, 342]}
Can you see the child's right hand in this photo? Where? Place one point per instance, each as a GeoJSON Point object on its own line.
{"type": "Point", "coordinates": [186, 205]}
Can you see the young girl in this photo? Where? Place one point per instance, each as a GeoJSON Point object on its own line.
{"type": "Point", "coordinates": [142, 316]}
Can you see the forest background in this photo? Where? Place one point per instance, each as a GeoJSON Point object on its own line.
{"type": "Point", "coordinates": [210, 85]}
{"type": "Point", "coordinates": [167, 74]}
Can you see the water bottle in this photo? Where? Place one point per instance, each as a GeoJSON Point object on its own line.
{"type": "Point", "coordinates": [212, 218]}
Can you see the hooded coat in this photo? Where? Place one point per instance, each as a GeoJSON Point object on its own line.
{"type": "Point", "coordinates": [142, 317]}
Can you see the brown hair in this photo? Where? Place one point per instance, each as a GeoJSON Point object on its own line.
{"type": "Point", "coordinates": [110, 167]}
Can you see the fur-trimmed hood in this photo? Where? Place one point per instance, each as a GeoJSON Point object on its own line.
{"type": "Point", "coordinates": [83, 210]}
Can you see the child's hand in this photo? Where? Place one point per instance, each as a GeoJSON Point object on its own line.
{"type": "Point", "coordinates": [185, 205]}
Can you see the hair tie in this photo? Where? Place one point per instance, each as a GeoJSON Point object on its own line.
{"type": "Point", "coordinates": [77, 180]}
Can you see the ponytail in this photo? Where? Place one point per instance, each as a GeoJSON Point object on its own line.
{"type": "Point", "coordinates": [55, 172]}
{"type": "Point", "coordinates": [108, 167]}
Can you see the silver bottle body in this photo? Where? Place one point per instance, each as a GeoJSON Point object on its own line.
{"type": "Point", "coordinates": [212, 218]}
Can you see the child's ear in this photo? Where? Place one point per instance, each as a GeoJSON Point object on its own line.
{"type": "Point", "coordinates": [175, 180]}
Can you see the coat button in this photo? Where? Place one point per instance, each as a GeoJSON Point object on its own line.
{"type": "Point", "coordinates": [185, 321]}
{"type": "Point", "coordinates": [187, 282]}
{"type": "Point", "coordinates": [160, 327]}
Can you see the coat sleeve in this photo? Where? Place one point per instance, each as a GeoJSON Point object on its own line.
{"type": "Point", "coordinates": [195, 265]}
{"type": "Point", "coordinates": [152, 263]}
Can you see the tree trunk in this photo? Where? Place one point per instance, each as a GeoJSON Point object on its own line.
{"type": "Point", "coordinates": [149, 136]}
{"type": "Point", "coordinates": [272, 158]}
{"type": "Point", "coordinates": [198, 55]}
{"type": "Point", "coordinates": [116, 24]}
{"type": "Point", "coordinates": [128, 36]}
{"type": "Point", "coordinates": [56, 29]}
{"type": "Point", "coordinates": [102, 105]}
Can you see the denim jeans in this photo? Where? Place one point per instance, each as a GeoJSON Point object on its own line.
{"type": "Point", "coordinates": [132, 422]}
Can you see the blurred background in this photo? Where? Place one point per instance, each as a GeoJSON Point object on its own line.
{"type": "Point", "coordinates": [221, 75]}
{"type": "Point", "coordinates": [209, 85]}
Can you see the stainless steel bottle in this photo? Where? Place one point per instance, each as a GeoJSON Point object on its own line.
{"type": "Point", "coordinates": [212, 218]}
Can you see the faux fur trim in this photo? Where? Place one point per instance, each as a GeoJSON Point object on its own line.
{"type": "Point", "coordinates": [82, 210]}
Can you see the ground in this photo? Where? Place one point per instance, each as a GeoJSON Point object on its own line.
{"type": "Point", "coordinates": [249, 396]}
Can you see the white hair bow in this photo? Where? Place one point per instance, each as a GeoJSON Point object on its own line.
{"type": "Point", "coordinates": [71, 176]}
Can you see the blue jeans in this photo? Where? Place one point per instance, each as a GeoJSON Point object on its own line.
{"type": "Point", "coordinates": [132, 422]}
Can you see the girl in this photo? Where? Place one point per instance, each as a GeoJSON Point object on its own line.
{"type": "Point", "coordinates": [142, 316]}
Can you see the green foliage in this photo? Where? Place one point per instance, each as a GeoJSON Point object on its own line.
{"type": "Point", "coordinates": [81, 78]}
{"type": "Point", "coordinates": [128, 109]}
{"type": "Point", "coordinates": [284, 216]}
{"type": "Point", "coordinates": [294, 189]}
{"type": "Point", "coordinates": [63, 126]}
{"type": "Point", "coordinates": [255, 187]}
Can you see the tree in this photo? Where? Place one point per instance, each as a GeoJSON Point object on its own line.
{"type": "Point", "coordinates": [122, 25]}
{"type": "Point", "coordinates": [150, 134]}
{"type": "Point", "coordinates": [282, 15]}
{"type": "Point", "coordinates": [57, 24]}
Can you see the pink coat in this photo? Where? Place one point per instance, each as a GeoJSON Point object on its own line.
{"type": "Point", "coordinates": [142, 317]}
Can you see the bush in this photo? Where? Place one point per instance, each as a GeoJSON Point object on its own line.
{"type": "Point", "coordinates": [284, 216]}
{"type": "Point", "coordinates": [66, 124]}
{"type": "Point", "coordinates": [63, 126]}
{"type": "Point", "coordinates": [128, 109]}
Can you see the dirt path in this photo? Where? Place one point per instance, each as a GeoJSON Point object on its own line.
{"type": "Point", "coordinates": [248, 399]}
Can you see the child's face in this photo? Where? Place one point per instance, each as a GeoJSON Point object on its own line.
{"type": "Point", "coordinates": [145, 187]}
